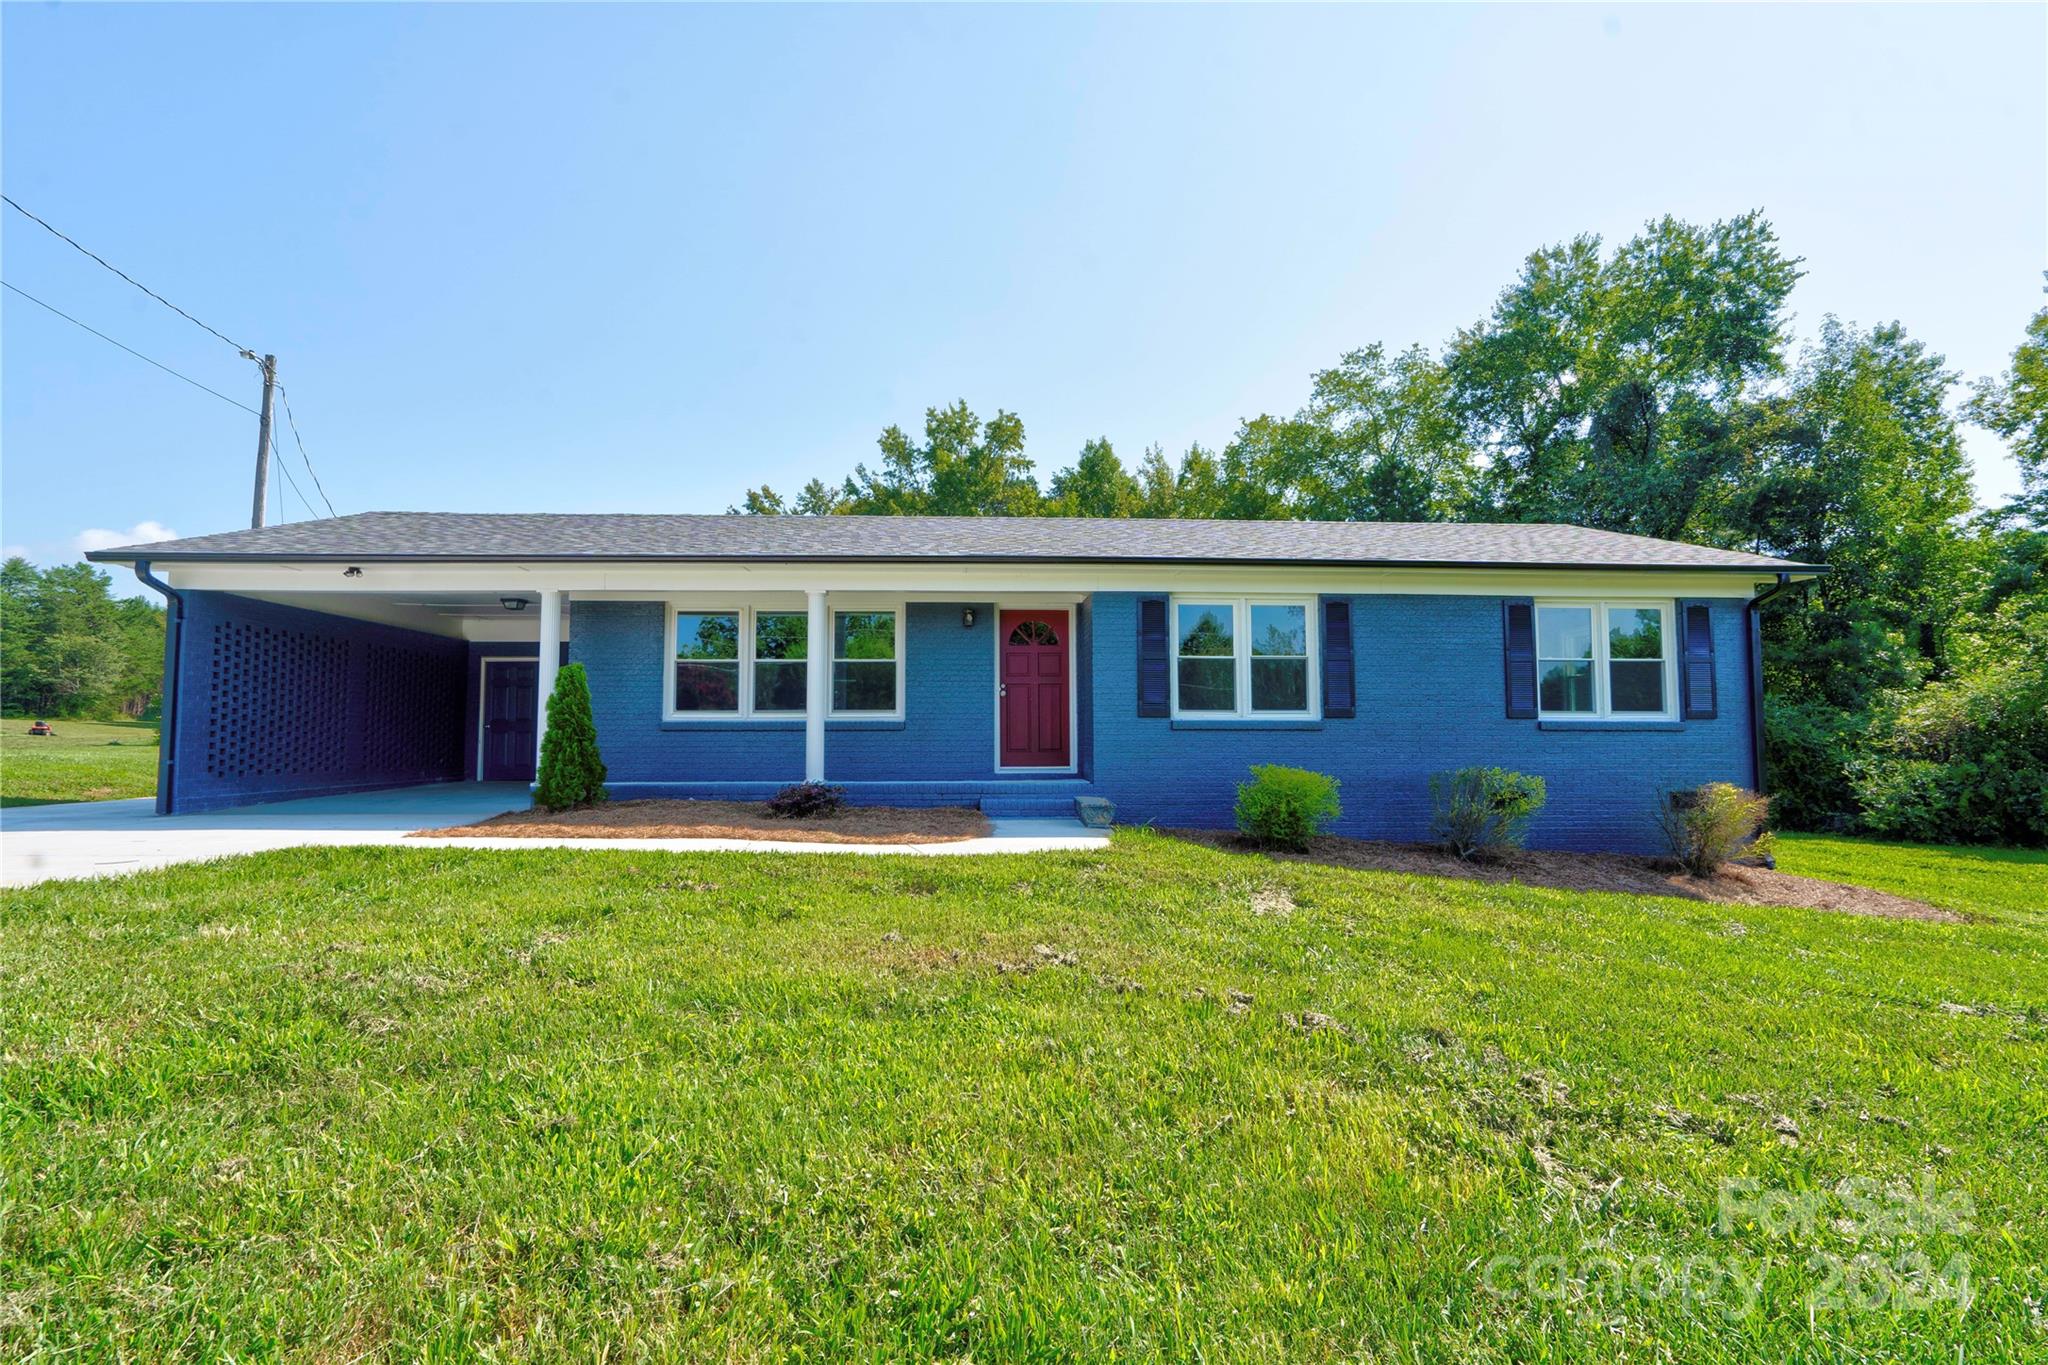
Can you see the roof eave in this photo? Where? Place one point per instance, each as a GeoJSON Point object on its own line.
{"type": "Point", "coordinates": [137, 554]}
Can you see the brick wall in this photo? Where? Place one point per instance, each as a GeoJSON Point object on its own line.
{"type": "Point", "coordinates": [947, 732]}
{"type": "Point", "coordinates": [1429, 699]}
{"type": "Point", "coordinates": [275, 702]}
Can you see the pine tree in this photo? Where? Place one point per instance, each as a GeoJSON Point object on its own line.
{"type": "Point", "coordinates": [571, 769]}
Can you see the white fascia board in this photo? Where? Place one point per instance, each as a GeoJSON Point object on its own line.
{"type": "Point", "coordinates": [949, 581]}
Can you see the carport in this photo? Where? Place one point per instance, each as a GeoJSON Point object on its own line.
{"type": "Point", "coordinates": [276, 695]}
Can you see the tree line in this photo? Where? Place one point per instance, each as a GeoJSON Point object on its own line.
{"type": "Point", "coordinates": [69, 647]}
{"type": "Point", "coordinates": [1657, 388]}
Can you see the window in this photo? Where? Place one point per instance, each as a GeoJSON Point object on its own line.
{"type": "Point", "coordinates": [1603, 660]}
{"type": "Point", "coordinates": [741, 662]}
{"type": "Point", "coordinates": [866, 663]}
{"type": "Point", "coordinates": [1034, 633]}
{"type": "Point", "coordinates": [1243, 657]}
{"type": "Point", "coordinates": [1279, 641]}
{"type": "Point", "coordinates": [1207, 652]}
{"type": "Point", "coordinates": [780, 648]}
{"type": "Point", "coordinates": [707, 662]}
{"type": "Point", "coordinates": [730, 664]}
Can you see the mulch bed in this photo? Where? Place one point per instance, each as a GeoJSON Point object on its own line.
{"type": "Point", "coordinates": [728, 820]}
{"type": "Point", "coordinates": [1619, 872]}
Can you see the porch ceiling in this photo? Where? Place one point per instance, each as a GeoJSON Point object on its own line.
{"type": "Point", "coordinates": [457, 615]}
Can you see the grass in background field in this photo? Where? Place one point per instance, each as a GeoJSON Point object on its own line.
{"type": "Point", "coordinates": [2011, 883]}
{"type": "Point", "coordinates": [1157, 1100]}
{"type": "Point", "coordinates": [86, 760]}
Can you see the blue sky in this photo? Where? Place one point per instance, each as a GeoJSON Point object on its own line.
{"type": "Point", "coordinates": [641, 257]}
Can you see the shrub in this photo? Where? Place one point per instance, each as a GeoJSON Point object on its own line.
{"type": "Point", "coordinates": [1285, 807]}
{"type": "Point", "coordinates": [1706, 826]}
{"type": "Point", "coordinates": [1965, 760]}
{"type": "Point", "coordinates": [802, 799]}
{"type": "Point", "coordinates": [1483, 812]}
{"type": "Point", "coordinates": [571, 769]}
{"type": "Point", "coordinates": [1808, 749]}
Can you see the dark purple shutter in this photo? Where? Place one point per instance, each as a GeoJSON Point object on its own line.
{"type": "Point", "coordinates": [1339, 680]}
{"type": "Point", "coordinates": [1518, 656]}
{"type": "Point", "coordinates": [1696, 660]}
{"type": "Point", "coordinates": [1153, 695]}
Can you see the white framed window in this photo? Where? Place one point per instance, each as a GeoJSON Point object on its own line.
{"type": "Point", "coordinates": [867, 662]}
{"type": "Point", "coordinates": [781, 653]}
{"type": "Point", "coordinates": [1248, 657]}
{"type": "Point", "coordinates": [1605, 661]}
{"type": "Point", "coordinates": [745, 662]}
{"type": "Point", "coordinates": [705, 677]}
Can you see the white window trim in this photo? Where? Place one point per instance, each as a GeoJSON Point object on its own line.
{"type": "Point", "coordinates": [1241, 647]}
{"type": "Point", "coordinates": [1602, 685]}
{"type": "Point", "coordinates": [747, 614]}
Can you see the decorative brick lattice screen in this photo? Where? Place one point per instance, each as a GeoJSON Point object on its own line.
{"type": "Point", "coordinates": [412, 711]}
{"type": "Point", "coordinates": [261, 674]}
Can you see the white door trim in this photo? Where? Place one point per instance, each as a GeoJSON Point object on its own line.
{"type": "Point", "coordinates": [483, 666]}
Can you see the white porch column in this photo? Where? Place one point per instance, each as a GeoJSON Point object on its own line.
{"type": "Point", "coordinates": [550, 661]}
{"type": "Point", "coordinates": [817, 685]}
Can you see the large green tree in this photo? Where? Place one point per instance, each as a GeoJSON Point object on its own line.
{"type": "Point", "coordinates": [1379, 440]}
{"type": "Point", "coordinates": [2015, 405]}
{"type": "Point", "coordinates": [1603, 390]}
{"type": "Point", "coordinates": [1859, 466]}
{"type": "Point", "coordinates": [1653, 389]}
{"type": "Point", "coordinates": [1098, 485]}
{"type": "Point", "coordinates": [68, 647]}
{"type": "Point", "coordinates": [964, 467]}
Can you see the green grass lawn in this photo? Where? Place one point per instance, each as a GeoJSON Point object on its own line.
{"type": "Point", "coordinates": [86, 760]}
{"type": "Point", "coordinates": [1157, 1100]}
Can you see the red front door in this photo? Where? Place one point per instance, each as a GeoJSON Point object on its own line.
{"type": "Point", "coordinates": [1033, 689]}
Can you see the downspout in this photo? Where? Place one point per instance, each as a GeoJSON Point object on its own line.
{"type": "Point", "coordinates": [174, 650]}
{"type": "Point", "coordinates": [1755, 639]}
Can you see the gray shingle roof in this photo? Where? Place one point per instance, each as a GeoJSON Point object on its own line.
{"type": "Point", "coordinates": [632, 536]}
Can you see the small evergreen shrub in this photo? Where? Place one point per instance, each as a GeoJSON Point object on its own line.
{"type": "Point", "coordinates": [1483, 812]}
{"type": "Point", "coordinates": [1285, 807]}
{"type": "Point", "coordinates": [1707, 826]}
{"type": "Point", "coordinates": [800, 800]}
{"type": "Point", "coordinates": [571, 769]}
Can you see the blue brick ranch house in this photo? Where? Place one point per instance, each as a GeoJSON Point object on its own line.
{"type": "Point", "coordinates": [1012, 663]}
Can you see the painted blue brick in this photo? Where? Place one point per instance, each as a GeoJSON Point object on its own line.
{"type": "Point", "coordinates": [947, 733]}
{"type": "Point", "coordinates": [1429, 699]}
{"type": "Point", "coordinates": [619, 645]}
{"type": "Point", "coordinates": [276, 703]}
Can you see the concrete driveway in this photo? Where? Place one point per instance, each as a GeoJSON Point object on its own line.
{"type": "Point", "coordinates": [100, 838]}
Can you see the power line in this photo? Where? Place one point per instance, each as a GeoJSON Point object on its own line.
{"type": "Point", "coordinates": [244, 351]}
{"type": "Point", "coordinates": [286, 470]}
{"type": "Point", "coordinates": [129, 349]}
{"type": "Point", "coordinates": [126, 276]}
{"type": "Point", "coordinates": [293, 422]}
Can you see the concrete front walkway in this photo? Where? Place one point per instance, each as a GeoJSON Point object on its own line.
{"type": "Point", "coordinates": [97, 838]}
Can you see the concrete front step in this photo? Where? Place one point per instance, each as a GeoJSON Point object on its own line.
{"type": "Point", "coordinates": [1009, 807]}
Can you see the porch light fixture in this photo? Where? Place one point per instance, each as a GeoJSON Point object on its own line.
{"type": "Point", "coordinates": [967, 616]}
{"type": "Point", "coordinates": [512, 603]}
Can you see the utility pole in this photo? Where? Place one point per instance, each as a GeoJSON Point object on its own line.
{"type": "Point", "coordinates": [269, 364]}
